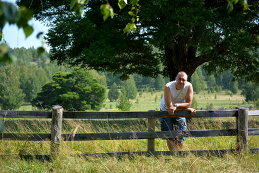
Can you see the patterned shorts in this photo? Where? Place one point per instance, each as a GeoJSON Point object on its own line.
{"type": "Point", "coordinates": [174, 124]}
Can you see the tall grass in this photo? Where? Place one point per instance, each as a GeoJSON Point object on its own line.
{"type": "Point", "coordinates": [229, 163]}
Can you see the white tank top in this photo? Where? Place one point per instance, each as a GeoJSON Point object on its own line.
{"type": "Point", "coordinates": [178, 96]}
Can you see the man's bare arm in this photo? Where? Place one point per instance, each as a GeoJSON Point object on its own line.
{"type": "Point", "coordinates": [188, 99]}
{"type": "Point", "coordinates": [168, 100]}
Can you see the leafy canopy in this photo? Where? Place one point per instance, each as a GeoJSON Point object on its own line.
{"type": "Point", "coordinates": [170, 36]}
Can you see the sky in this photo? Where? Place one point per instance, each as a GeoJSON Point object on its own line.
{"type": "Point", "coordinates": [15, 37]}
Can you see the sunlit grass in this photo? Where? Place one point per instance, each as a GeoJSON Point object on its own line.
{"type": "Point", "coordinates": [151, 101]}
{"type": "Point", "coordinates": [229, 163]}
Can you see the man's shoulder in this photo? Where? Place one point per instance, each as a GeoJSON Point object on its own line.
{"type": "Point", "coordinates": [188, 83]}
{"type": "Point", "coordinates": [170, 83]}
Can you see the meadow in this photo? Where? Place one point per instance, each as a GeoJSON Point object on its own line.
{"type": "Point", "coordinates": [151, 100]}
{"type": "Point", "coordinates": [230, 162]}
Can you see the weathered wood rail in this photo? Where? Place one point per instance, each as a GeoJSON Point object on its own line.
{"type": "Point", "coordinates": [57, 114]}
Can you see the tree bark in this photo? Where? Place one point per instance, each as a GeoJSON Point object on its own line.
{"type": "Point", "coordinates": [179, 57]}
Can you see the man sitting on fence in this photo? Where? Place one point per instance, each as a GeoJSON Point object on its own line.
{"type": "Point", "coordinates": [178, 94]}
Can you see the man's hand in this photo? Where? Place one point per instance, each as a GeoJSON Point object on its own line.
{"type": "Point", "coordinates": [193, 111]}
{"type": "Point", "coordinates": [171, 110]}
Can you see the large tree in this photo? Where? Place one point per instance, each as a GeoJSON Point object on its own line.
{"type": "Point", "coordinates": [77, 90]}
{"type": "Point", "coordinates": [171, 35]}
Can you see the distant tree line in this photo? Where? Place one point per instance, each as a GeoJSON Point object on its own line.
{"type": "Point", "coordinates": [30, 78]}
{"type": "Point", "coordinates": [201, 81]}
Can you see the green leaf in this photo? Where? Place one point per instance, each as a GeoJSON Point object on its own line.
{"type": "Point", "coordinates": [4, 48]}
{"type": "Point", "coordinates": [26, 13]}
{"type": "Point", "coordinates": [40, 50]}
{"type": "Point", "coordinates": [5, 56]}
{"type": "Point", "coordinates": [137, 18]}
{"type": "Point", "coordinates": [78, 6]}
{"type": "Point", "coordinates": [230, 6]}
{"type": "Point", "coordinates": [73, 4]}
{"type": "Point", "coordinates": [126, 29]}
{"type": "Point", "coordinates": [134, 2]}
{"type": "Point", "coordinates": [107, 11]}
{"type": "Point", "coordinates": [10, 12]}
{"type": "Point", "coordinates": [245, 4]}
{"type": "Point", "coordinates": [122, 3]}
{"type": "Point", "coordinates": [28, 30]}
{"type": "Point", "coordinates": [130, 27]}
{"type": "Point", "coordinates": [131, 13]}
{"type": "Point", "coordinates": [235, 1]}
{"type": "Point", "coordinates": [246, 7]}
{"type": "Point", "coordinates": [25, 16]}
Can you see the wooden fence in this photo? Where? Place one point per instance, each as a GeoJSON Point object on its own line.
{"type": "Point", "coordinates": [57, 114]}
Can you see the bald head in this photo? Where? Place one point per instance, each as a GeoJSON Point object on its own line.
{"type": "Point", "coordinates": [181, 80]}
{"type": "Point", "coordinates": [181, 74]}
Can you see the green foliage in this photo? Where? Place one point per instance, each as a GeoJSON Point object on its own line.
{"type": "Point", "coordinates": [250, 91]}
{"type": "Point", "coordinates": [129, 88]}
{"type": "Point", "coordinates": [202, 31]}
{"type": "Point", "coordinates": [209, 106]}
{"type": "Point", "coordinates": [194, 103]}
{"type": "Point", "coordinates": [123, 103]}
{"type": "Point", "coordinates": [211, 83]}
{"type": "Point", "coordinates": [107, 11]}
{"type": "Point", "coordinates": [34, 71]}
{"type": "Point", "coordinates": [9, 13]}
{"type": "Point", "coordinates": [13, 15]}
{"type": "Point", "coordinates": [5, 56]}
{"type": "Point", "coordinates": [227, 81]}
{"type": "Point", "coordinates": [112, 78]}
{"type": "Point", "coordinates": [74, 91]}
{"type": "Point", "coordinates": [11, 96]}
{"type": "Point", "coordinates": [32, 79]}
{"type": "Point", "coordinates": [159, 83]}
{"type": "Point", "coordinates": [257, 103]}
{"type": "Point", "coordinates": [234, 87]}
{"type": "Point", "coordinates": [231, 4]}
{"type": "Point", "coordinates": [142, 82]}
{"type": "Point", "coordinates": [113, 93]}
{"type": "Point", "coordinates": [198, 81]}
{"type": "Point", "coordinates": [78, 6]}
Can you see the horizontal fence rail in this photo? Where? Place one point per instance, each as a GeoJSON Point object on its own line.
{"type": "Point", "coordinates": [116, 115]}
{"type": "Point", "coordinates": [253, 113]}
{"type": "Point", "coordinates": [26, 114]}
{"type": "Point", "coordinates": [122, 135]}
{"type": "Point", "coordinates": [57, 114]}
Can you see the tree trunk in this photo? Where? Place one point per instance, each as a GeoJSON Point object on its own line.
{"type": "Point", "coordinates": [179, 57]}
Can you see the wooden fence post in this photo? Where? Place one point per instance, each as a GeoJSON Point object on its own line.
{"type": "Point", "coordinates": [242, 130]}
{"type": "Point", "coordinates": [151, 128]}
{"type": "Point", "coordinates": [56, 127]}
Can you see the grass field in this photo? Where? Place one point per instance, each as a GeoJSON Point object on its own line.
{"type": "Point", "coordinates": [151, 101]}
{"type": "Point", "coordinates": [230, 163]}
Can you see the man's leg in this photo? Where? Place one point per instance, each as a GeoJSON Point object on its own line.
{"type": "Point", "coordinates": [174, 124]}
{"type": "Point", "coordinates": [179, 124]}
